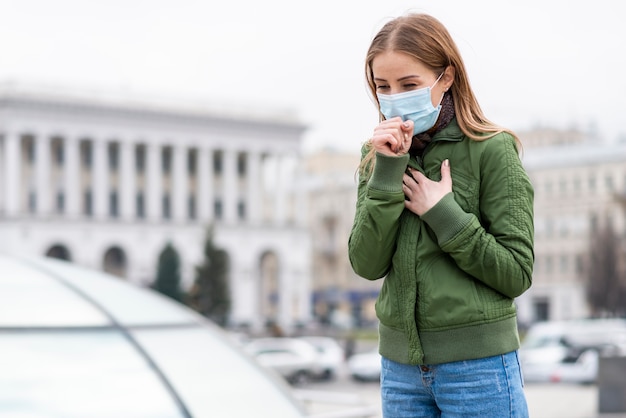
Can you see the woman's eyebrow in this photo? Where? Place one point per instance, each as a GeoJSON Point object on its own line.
{"type": "Point", "coordinates": [400, 79]}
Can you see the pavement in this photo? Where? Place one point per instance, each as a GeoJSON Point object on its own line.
{"type": "Point", "coordinates": [545, 400]}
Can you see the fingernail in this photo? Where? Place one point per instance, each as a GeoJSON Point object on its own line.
{"type": "Point", "coordinates": [406, 124]}
{"type": "Point", "coordinates": [447, 163]}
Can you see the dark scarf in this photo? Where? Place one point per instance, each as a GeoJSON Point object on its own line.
{"type": "Point", "coordinates": [420, 141]}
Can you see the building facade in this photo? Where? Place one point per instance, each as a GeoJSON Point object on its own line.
{"type": "Point", "coordinates": [340, 297]}
{"type": "Point", "coordinates": [580, 186]}
{"type": "Point", "coordinates": [108, 182]}
{"type": "Point", "coordinates": [579, 183]}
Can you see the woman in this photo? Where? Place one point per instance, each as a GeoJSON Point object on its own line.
{"type": "Point", "coordinates": [444, 215]}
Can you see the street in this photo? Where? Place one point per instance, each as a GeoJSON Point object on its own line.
{"type": "Point", "coordinates": [551, 400]}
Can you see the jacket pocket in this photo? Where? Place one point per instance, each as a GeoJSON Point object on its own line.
{"type": "Point", "coordinates": [447, 296]}
{"type": "Point", "coordinates": [388, 304]}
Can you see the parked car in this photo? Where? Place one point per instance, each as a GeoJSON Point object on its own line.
{"type": "Point", "coordinates": [331, 357]}
{"type": "Point", "coordinates": [365, 366]}
{"type": "Point", "coordinates": [569, 351]}
{"type": "Point", "coordinates": [75, 342]}
{"type": "Point", "coordinates": [295, 360]}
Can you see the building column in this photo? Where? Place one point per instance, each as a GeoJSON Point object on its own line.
{"type": "Point", "coordinates": [285, 296]}
{"type": "Point", "coordinates": [230, 191]}
{"type": "Point", "coordinates": [71, 172]}
{"type": "Point", "coordinates": [253, 206]}
{"type": "Point", "coordinates": [179, 188]}
{"type": "Point", "coordinates": [42, 174]}
{"type": "Point", "coordinates": [100, 179]}
{"type": "Point", "coordinates": [301, 191]}
{"type": "Point", "coordinates": [154, 182]}
{"type": "Point", "coordinates": [11, 174]}
{"type": "Point", "coordinates": [279, 190]}
{"type": "Point", "coordinates": [127, 180]}
{"type": "Point", "coordinates": [205, 185]}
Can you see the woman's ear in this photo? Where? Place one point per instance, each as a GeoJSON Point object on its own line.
{"type": "Point", "coordinates": [448, 76]}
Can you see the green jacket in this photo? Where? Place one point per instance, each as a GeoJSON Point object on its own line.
{"type": "Point", "coordinates": [451, 275]}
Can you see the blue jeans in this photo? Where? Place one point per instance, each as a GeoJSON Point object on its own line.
{"type": "Point", "coordinates": [491, 387]}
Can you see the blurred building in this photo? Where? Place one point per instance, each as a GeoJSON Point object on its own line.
{"type": "Point", "coordinates": [579, 183]}
{"type": "Point", "coordinates": [340, 297]}
{"type": "Point", "coordinates": [107, 182]}
{"type": "Point", "coordinates": [580, 186]}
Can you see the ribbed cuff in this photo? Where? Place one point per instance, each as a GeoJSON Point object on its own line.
{"type": "Point", "coordinates": [388, 172]}
{"type": "Point", "coordinates": [447, 218]}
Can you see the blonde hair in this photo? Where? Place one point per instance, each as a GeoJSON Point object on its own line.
{"type": "Point", "coordinates": [426, 39]}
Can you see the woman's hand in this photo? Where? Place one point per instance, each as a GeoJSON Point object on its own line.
{"type": "Point", "coordinates": [422, 193]}
{"type": "Point", "coordinates": [393, 136]}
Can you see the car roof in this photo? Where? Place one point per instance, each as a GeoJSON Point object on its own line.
{"type": "Point", "coordinates": [72, 331]}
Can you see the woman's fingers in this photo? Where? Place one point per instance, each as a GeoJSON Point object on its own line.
{"type": "Point", "coordinates": [393, 136]}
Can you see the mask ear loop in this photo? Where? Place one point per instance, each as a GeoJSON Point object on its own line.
{"type": "Point", "coordinates": [436, 81]}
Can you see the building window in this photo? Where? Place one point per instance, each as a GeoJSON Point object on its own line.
{"type": "Point", "coordinates": [30, 150]}
{"type": "Point", "coordinates": [88, 203]}
{"type": "Point", "coordinates": [192, 159]}
{"type": "Point", "coordinates": [114, 157]}
{"type": "Point", "coordinates": [32, 202]}
{"type": "Point", "coordinates": [241, 165]}
{"type": "Point", "coordinates": [549, 264]}
{"type": "Point", "coordinates": [59, 153]}
{"type": "Point", "coordinates": [167, 210]}
{"type": "Point", "coordinates": [217, 209]}
{"type": "Point", "coordinates": [191, 207]}
{"type": "Point", "coordinates": [218, 158]}
{"type": "Point", "coordinates": [563, 186]}
{"type": "Point", "coordinates": [592, 184]}
{"type": "Point", "coordinates": [593, 224]}
{"type": "Point", "coordinates": [579, 264]}
{"type": "Point", "coordinates": [241, 210]}
{"type": "Point", "coordinates": [113, 204]}
{"type": "Point", "coordinates": [140, 159]}
{"type": "Point", "coordinates": [541, 308]}
{"type": "Point", "coordinates": [549, 227]}
{"type": "Point", "coordinates": [609, 182]}
{"type": "Point", "coordinates": [548, 186]}
{"type": "Point", "coordinates": [60, 202]}
{"type": "Point", "coordinates": [140, 206]}
{"type": "Point", "coordinates": [166, 160]}
{"type": "Point", "coordinates": [86, 150]}
{"type": "Point", "coordinates": [564, 263]}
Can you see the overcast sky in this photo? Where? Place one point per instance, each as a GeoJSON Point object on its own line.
{"type": "Point", "coordinates": [553, 63]}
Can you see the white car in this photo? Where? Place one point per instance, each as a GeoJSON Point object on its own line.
{"type": "Point", "coordinates": [365, 366]}
{"type": "Point", "coordinates": [76, 342]}
{"type": "Point", "coordinates": [569, 351]}
{"type": "Point", "coordinates": [331, 355]}
{"type": "Point", "coordinates": [295, 360]}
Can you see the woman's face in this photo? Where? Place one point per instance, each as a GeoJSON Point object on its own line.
{"type": "Point", "coordinates": [396, 72]}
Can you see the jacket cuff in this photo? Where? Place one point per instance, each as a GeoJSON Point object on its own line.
{"type": "Point", "coordinates": [447, 218]}
{"type": "Point", "coordinates": [388, 172]}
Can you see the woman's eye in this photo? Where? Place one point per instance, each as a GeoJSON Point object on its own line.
{"type": "Point", "coordinates": [382, 87]}
{"type": "Point", "coordinates": [410, 86]}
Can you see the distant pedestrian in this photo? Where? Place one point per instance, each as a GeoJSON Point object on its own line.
{"type": "Point", "coordinates": [445, 215]}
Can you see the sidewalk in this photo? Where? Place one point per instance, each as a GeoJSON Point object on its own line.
{"type": "Point", "coordinates": [550, 400]}
{"type": "Point", "coordinates": [559, 400]}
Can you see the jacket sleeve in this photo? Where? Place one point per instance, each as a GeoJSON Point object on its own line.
{"type": "Point", "coordinates": [380, 202]}
{"type": "Point", "coordinates": [498, 252]}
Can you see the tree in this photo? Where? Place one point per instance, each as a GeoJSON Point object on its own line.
{"type": "Point", "coordinates": [606, 291]}
{"type": "Point", "coordinates": [168, 273]}
{"type": "Point", "coordinates": [210, 294]}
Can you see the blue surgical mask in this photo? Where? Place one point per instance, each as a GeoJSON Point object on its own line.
{"type": "Point", "coordinates": [415, 105]}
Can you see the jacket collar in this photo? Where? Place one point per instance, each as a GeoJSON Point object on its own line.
{"type": "Point", "coordinates": [451, 133]}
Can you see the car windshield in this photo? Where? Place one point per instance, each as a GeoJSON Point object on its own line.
{"type": "Point", "coordinates": [78, 343]}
